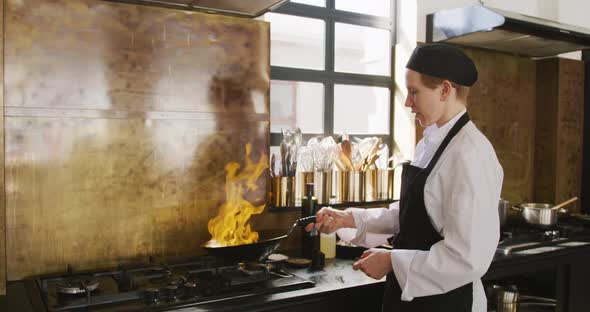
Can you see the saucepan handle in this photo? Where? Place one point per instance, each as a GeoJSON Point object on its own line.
{"type": "Point", "coordinates": [516, 208]}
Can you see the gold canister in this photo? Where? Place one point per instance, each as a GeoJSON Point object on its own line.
{"type": "Point", "coordinates": [282, 191]}
{"type": "Point", "coordinates": [385, 184]}
{"type": "Point", "coordinates": [342, 186]}
{"type": "Point", "coordinates": [371, 185]}
{"type": "Point", "coordinates": [302, 178]}
{"type": "Point", "coordinates": [322, 186]}
{"type": "Point", "coordinates": [356, 186]}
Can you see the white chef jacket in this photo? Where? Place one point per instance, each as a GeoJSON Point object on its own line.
{"type": "Point", "coordinates": [461, 197]}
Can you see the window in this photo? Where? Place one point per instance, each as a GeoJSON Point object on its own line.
{"type": "Point", "coordinates": [321, 3]}
{"type": "Point", "coordinates": [297, 42]}
{"type": "Point", "coordinates": [361, 110]}
{"type": "Point", "coordinates": [373, 7]}
{"type": "Point", "coordinates": [296, 104]}
{"type": "Point", "coordinates": [331, 65]}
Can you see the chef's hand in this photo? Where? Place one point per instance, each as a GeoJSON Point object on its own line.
{"type": "Point", "coordinates": [374, 262]}
{"type": "Point", "coordinates": [328, 220]}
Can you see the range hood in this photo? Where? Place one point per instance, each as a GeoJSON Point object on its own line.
{"type": "Point", "coordinates": [243, 8]}
{"type": "Point", "coordinates": [498, 30]}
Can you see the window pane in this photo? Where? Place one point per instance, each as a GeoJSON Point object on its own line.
{"type": "Point", "coordinates": [362, 50]}
{"type": "Point", "coordinates": [373, 7]}
{"type": "Point", "coordinates": [296, 104]}
{"type": "Point", "coordinates": [361, 110]}
{"type": "Point", "coordinates": [321, 3]}
{"type": "Point", "coordinates": [296, 41]}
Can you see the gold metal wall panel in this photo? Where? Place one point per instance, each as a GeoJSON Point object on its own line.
{"type": "Point", "coordinates": [120, 120]}
{"type": "Point", "coordinates": [570, 132]}
{"type": "Point", "coordinates": [502, 104]}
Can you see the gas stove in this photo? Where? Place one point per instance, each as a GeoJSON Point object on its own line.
{"type": "Point", "coordinates": [151, 287]}
{"type": "Point", "coordinates": [524, 239]}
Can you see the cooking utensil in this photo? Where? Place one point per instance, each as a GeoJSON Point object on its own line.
{"type": "Point", "coordinates": [539, 214]}
{"type": "Point", "coordinates": [567, 202]}
{"type": "Point", "coordinates": [506, 295]}
{"type": "Point", "coordinates": [273, 160]}
{"type": "Point", "coordinates": [346, 148]}
{"type": "Point", "coordinates": [283, 152]}
{"type": "Point", "coordinates": [268, 242]}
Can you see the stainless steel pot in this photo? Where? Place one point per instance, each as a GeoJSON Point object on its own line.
{"type": "Point", "coordinates": [509, 299]}
{"type": "Point", "coordinates": [503, 206]}
{"type": "Point", "coordinates": [539, 214]}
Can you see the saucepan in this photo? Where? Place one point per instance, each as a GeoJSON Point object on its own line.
{"type": "Point", "coordinates": [542, 215]}
{"type": "Point", "coordinates": [268, 242]}
{"type": "Point", "coordinates": [509, 299]}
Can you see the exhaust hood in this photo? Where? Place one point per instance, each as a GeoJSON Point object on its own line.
{"type": "Point", "coordinates": [498, 30]}
{"type": "Point", "coordinates": [243, 8]}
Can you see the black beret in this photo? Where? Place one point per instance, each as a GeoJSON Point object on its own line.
{"type": "Point", "coordinates": [443, 61]}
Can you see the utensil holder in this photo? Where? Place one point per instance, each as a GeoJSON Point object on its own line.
{"type": "Point", "coordinates": [282, 191]}
{"type": "Point", "coordinates": [342, 186]}
{"type": "Point", "coordinates": [371, 185]}
{"type": "Point", "coordinates": [302, 178]}
{"type": "Point", "coordinates": [385, 184]}
{"type": "Point", "coordinates": [322, 182]}
{"type": "Point", "coordinates": [356, 189]}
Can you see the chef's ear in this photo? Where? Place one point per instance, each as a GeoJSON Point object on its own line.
{"type": "Point", "coordinates": [445, 90]}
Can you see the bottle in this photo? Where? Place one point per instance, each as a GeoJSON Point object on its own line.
{"type": "Point", "coordinates": [328, 245]}
{"type": "Point", "coordinates": [308, 208]}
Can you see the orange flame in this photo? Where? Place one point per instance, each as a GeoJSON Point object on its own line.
{"type": "Point", "coordinates": [230, 227]}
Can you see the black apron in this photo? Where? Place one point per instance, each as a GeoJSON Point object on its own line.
{"type": "Point", "coordinates": [418, 233]}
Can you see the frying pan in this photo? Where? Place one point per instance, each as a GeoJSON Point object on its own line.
{"type": "Point", "coordinates": [269, 241]}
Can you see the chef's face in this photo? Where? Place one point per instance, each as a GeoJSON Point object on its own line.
{"type": "Point", "coordinates": [425, 102]}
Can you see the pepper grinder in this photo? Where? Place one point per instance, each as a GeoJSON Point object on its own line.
{"type": "Point", "coordinates": [311, 240]}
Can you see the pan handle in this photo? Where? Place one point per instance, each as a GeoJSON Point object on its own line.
{"type": "Point", "coordinates": [516, 208]}
{"type": "Point", "coordinates": [305, 221]}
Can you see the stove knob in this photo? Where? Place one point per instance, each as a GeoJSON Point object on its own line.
{"type": "Point", "coordinates": [190, 289]}
{"type": "Point", "coordinates": [171, 292]}
{"type": "Point", "coordinates": [151, 295]}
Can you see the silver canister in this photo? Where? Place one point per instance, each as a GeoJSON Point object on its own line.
{"type": "Point", "coordinates": [356, 186]}
{"type": "Point", "coordinates": [322, 182]}
{"type": "Point", "coordinates": [371, 193]}
{"type": "Point", "coordinates": [341, 186]}
{"type": "Point", "coordinates": [302, 178]}
{"type": "Point", "coordinates": [385, 184]}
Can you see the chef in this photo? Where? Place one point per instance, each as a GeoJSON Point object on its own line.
{"type": "Point", "coordinates": [446, 224]}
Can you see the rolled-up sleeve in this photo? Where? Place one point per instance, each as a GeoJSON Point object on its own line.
{"type": "Point", "coordinates": [373, 226]}
{"type": "Point", "coordinates": [470, 189]}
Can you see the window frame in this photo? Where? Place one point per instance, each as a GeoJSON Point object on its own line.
{"type": "Point", "coordinates": [328, 76]}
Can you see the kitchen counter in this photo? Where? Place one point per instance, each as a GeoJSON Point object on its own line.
{"type": "Point", "coordinates": [340, 287]}
{"type": "Point", "coordinates": [337, 286]}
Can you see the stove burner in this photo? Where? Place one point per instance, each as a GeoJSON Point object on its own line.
{"type": "Point", "coordinates": [170, 279]}
{"type": "Point", "coordinates": [76, 285]}
{"type": "Point", "coordinates": [254, 268]}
